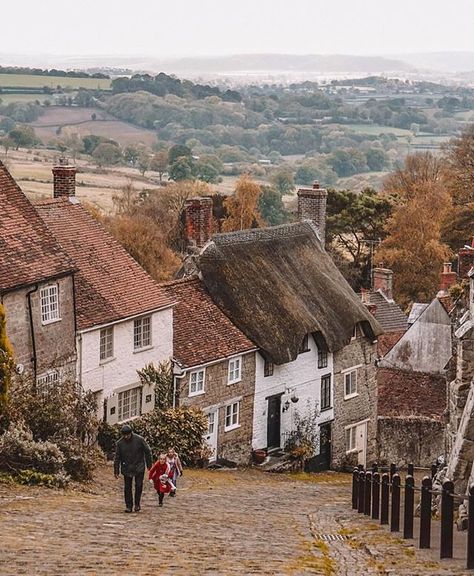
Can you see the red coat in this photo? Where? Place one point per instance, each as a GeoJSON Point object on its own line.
{"type": "Point", "coordinates": [156, 471]}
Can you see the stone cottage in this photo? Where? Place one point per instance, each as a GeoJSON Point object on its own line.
{"type": "Point", "coordinates": [124, 319]}
{"type": "Point", "coordinates": [37, 289]}
{"type": "Point", "coordinates": [214, 369]}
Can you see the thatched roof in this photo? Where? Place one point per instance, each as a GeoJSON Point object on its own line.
{"type": "Point", "coordinates": [278, 284]}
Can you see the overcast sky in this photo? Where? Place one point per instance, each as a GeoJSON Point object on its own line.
{"type": "Point", "coordinates": [163, 28]}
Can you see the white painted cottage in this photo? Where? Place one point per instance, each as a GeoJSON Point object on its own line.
{"type": "Point", "coordinates": [124, 320]}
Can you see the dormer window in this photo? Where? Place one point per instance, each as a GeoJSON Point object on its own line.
{"type": "Point", "coordinates": [322, 357]}
{"type": "Point", "coordinates": [235, 370]}
{"type": "Point", "coordinates": [304, 346]}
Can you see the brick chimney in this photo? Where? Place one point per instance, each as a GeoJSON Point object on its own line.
{"type": "Point", "coordinates": [64, 179]}
{"type": "Point", "coordinates": [465, 260]}
{"type": "Point", "coordinates": [448, 277]}
{"type": "Point", "coordinates": [312, 206]}
{"type": "Point", "coordinates": [198, 220]}
{"type": "Point", "coordinates": [382, 279]}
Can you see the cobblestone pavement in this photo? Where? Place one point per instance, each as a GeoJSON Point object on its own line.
{"type": "Point", "coordinates": [220, 523]}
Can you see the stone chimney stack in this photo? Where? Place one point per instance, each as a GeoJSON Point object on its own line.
{"type": "Point", "coordinates": [448, 277]}
{"type": "Point", "coordinates": [382, 279]}
{"type": "Point", "coordinates": [312, 206]}
{"type": "Point", "coordinates": [64, 179]}
{"type": "Point", "coordinates": [198, 220]}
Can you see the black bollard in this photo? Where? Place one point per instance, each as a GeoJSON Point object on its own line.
{"type": "Point", "coordinates": [470, 530]}
{"type": "Point", "coordinates": [425, 513]}
{"type": "Point", "coordinates": [408, 507]}
{"type": "Point", "coordinates": [447, 518]}
{"type": "Point", "coordinates": [368, 493]}
{"type": "Point", "coordinates": [375, 468]}
{"type": "Point", "coordinates": [410, 470]}
{"type": "Point", "coordinates": [393, 470]}
{"type": "Point", "coordinates": [384, 505]}
{"type": "Point", "coordinates": [395, 515]}
{"type": "Point", "coordinates": [355, 488]}
{"type": "Point", "coordinates": [375, 495]}
{"type": "Point", "coordinates": [360, 503]}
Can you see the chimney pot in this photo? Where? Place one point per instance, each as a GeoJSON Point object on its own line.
{"type": "Point", "coordinates": [448, 277]}
{"type": "Point", "coordinates": [315, 185]}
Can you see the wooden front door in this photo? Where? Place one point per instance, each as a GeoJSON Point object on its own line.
{"type": "Point", "coordinates": [273, 422]}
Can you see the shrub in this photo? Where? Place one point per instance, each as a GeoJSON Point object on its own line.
{"type": "Point", "coordinates": [303, 441]}
{"type": "Point", "coordinates": [19, 451]}
{"type": "Point", "coordinates": [181, 427]}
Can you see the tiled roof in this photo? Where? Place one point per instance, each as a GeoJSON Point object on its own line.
{"type": "Point", "coordinates": [388, 314]}
{"type": "Point", "coordinates": [29, 252]}
{"type": "Point", "coordinates": [202, 332]}
{"type": "Point", "coordinates": [110, 284]}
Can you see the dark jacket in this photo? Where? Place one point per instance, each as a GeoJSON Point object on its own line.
{"type": "Point", "coordinates": [130, 456]}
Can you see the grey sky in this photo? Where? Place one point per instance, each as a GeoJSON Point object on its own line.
{"type": "Point", "coordinates": [211, 27]}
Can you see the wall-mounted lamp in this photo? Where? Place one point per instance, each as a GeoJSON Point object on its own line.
{"type": "Point", "coordinates": [286, 405]}
{"type": "Point", "coordinates": [294, 399]}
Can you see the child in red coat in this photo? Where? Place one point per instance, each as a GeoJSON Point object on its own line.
{"type": "Point", "coordinates": [160, 476]}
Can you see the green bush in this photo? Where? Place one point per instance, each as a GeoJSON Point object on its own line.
{"type": "Point", "coordinates": [183, 428]}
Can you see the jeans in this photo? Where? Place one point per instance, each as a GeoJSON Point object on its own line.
{"type": "Point", "coordinates": [128, 480]}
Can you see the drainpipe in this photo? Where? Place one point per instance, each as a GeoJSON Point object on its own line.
{"type": "Point", "coordinates": [32, 328]}
{"type": "Point", "coordinates": [79, 345]}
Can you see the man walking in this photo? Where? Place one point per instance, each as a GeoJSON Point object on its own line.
{"type": "Point", "coordinates": [131, 455]}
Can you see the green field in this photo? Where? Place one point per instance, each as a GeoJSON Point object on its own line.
{"type": "Point", "coordinates": [7, 98]}
{"type": "Point", "coordinates": [376, 130]}
{"type": "Point", "coordinates": [32, 81]}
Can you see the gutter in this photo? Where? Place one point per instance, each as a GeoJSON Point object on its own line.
{"type": "Point", "coordinates": [32, 329]}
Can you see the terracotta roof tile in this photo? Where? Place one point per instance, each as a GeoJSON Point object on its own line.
{"type": "Point", "coordinates": [110, 284]}
{"type": "Point", "coordinates": [202, 332]}
{"type": "Point", "coordinates": [29, 252]}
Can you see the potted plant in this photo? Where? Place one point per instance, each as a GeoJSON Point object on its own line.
{"type": "Point", "coordinates": [259, 456]}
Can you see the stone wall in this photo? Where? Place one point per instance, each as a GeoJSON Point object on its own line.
{"type": "Point", "coordinates": [55, 342]}
{"type": "Point", "coordinates": [411, 393]}
{"type": "Point", "coordinates": [236, 444]}
{"type": "Point", "coordinates": [360, 352]}
{"type": "Point", "coordinates": [409, 439]}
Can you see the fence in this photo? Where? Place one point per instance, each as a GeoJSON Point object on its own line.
{"type": "Point", "coordinates": [379, 496]}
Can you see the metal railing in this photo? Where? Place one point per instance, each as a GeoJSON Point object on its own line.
{"type": "Point", "coordinates": [379, 496]}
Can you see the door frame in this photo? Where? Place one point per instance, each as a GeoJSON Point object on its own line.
{"type": "Point", "coordinates": [277, 398]}
{"type": "Point", "coordinates": [207, 436]}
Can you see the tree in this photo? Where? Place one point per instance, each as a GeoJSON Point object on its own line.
{"type": "Point", "coordinates": [106, 153]}
{"type": "Point", "coordinates": [242, 206]}
{"type": "Point", "coordinates": [23, 137]}
{"type": "Point", "coordinates": [182, 169]}
{"type": "Point", "coordinates": [143, 162]}
{"type": "Point", "coordinates": [178, 151]}
{"type": "Point", "coordinates": [419, 169]}
{"type": "Point", "coordinates": [351, 220]}
{"type": "Point", "coordinates": [282, 181]}
{"type": "Point", "coordinates": [6, 367]}
{"type": "Point", "coordinates": [131, 154]}
{"type": "Point", "coordinates": [376, 159]}
{"type": "Point", "coordinates": [6, 143]}
{"type": "Point", "coordinates": [159, 163]}
{"type": "Point", "coordinates": [460, 167]}
{"type": "Point", "coordinates": [413, 248]}
{"type": "Point", "coordinates": [271, 208]}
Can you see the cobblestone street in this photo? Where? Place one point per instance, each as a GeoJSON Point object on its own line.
{"type": "Point", "coordinates": [221, 522]}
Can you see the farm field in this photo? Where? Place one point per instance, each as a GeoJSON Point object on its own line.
{"type": "Point", "coordinates": [59, 120]}
{"type": "Point", "coordinates": [8, 98]}
{"type": "Point", "coordinates": [32, 171]}
{"type": "Point", "coordinates": [32, 81]}
{"type": "Point", "coordinates": [376, 130]}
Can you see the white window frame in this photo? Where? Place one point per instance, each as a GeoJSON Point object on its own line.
{"type": "Point", "coordinates": [197, 380]}
{"type": "Point", "coordinates": [346, 373]}
{"type": "Point", "coordinates": [232, 416]}
{"type": "Point", "coordinates": [130, 395]}
{"type": "Point", "coordinates": [350, 433]}
{"type": "Point", "coordinates": [138, 334]}
{"type": "Point", "coordinates": [44, 382]}
{"type": "Point", "coordinates": [49, 304]}
{"type": "Point", "coordinates": [106, 344]}
{"type": "Point", "coordinates": [354, 333]}
{"type": "Point", "coordinates": [234, 374]}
